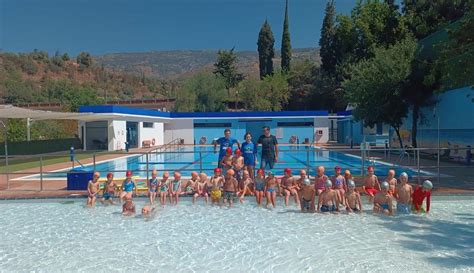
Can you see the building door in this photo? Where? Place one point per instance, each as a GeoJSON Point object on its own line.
{"type": "Point", "coordinates": [132, 134]}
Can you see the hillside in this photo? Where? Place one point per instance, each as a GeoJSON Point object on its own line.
{"type": "Point", "coordinates": [180, 64]}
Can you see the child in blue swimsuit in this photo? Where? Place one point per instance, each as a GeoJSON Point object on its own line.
{"type": "Point", "coordinates": [271, 185]}
{"type": "Point", "coordinates": [164, 188]}
{"type": "Point", "coordinates": [175, 188]}
{"type": "Point", "coordinates": [153, 186]}
{"type": "Point", "coordinates": [128, 186]}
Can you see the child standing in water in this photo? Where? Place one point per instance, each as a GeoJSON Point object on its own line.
{"type": "Point", "coordinates": [109, 189]}
{"type": "Point", "coordinates": [260, 186]}
{"type": "Point", "coordinates": [308, 194]}
{"type": "Point", "coordinates": [217, 182]}
{"type": "Point", "coordinates": [383, 200]}
{"type": "Point", "coordinates": [352, 198]}
{"type": "Point", "coordinates": [175, 188]}
{"type": "Point", "coordinates": [153, 186]}
{"type": "Point", "coordinates": [419, 195]}
{"type": "Point", "coordinates": [371, 184]}
{"type": "Point", "coordinates": [164, 188]}
{"type": "Point", "coordinates": [327, 200]}
{"type": "Point", "coordinates": [271, 186]}
{"type": "Point", "coordinates": [231, 186]}
{"type": "Point", "coordinates": [392, 182]}
{"type": "Point", "coordinates": [403, 194]}
{"type": "Point", "coordinates": [93, 189]}
{"type": "Point", "coordinates": [128, 186]}
{"type": "Point", "coordinates": [339, 183]}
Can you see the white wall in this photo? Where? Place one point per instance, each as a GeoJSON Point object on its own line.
{"type": "Point", "coordinates": [321, 125]}
{"type": "Point", "coordinates": [180, 128]}
{"type": "Point", "coordinates": [151, 133]}
{"type": "Point", "coordinates": [117, 135]}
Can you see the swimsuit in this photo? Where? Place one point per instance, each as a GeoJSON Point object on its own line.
{"type": "Point", "coordinates": [355, 209]}
{"type": "Point", "coordinates": [153, 184]}
{"type": "Point", "coordinates": [164, 186]}
{"type": "Point", "coordinates": [229, 195]}
{"type": "Point", "coordinates": [259, 184]}
{"type": "Point", "coordinates": [384, 206]}
{"type": "Point", "coordinates": [108, 195]}
{"type": "Point", "coordinates": [339, 182]}
{"type": "Point", "coordinates": [306, 204]}
{"type": "Point", "coordinates": [271, 190]}
{"type": "Point", "coordinates": [129, 186]}
{"type": "Point", "coordinates": [238, 174]}
{"type": "Point", "coordinates": [371, 190]}
{"type": "Point", "coordinates": [176, 185]}
{"type": "Point", "coordinates": [216, 194]}
{"type": "Point", "coordinates": [320, 181]}
{"type": "Point", "coordinates": [403, 208]}
{"type": "Point", "coordinates": [327, 208]}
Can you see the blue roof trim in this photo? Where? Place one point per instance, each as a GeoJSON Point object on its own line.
{"type": "Point", "coordinates": [153, 113]}
{"type": "Point", "coordinates": [345, 113]}
{"type": "Point", "coordinates": [123, 110]}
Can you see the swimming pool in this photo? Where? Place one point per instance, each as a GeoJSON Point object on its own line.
{"type": "Point", "coordinates": [62, 235]}
{"type": "Point", "coordinates": [188, 159]}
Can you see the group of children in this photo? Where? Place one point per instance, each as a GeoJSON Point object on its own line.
{"type": "Point", "coordinates": [225, 189]}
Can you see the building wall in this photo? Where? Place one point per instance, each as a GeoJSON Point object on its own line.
{"type": "Point", "coordinates": [145, 133]}
{"type": "Point", "coordinates": [455, 109]}
{"type": "Point", "coordinates": [117, 135]}
{"type": "Point", "coordinates": [179, 128]}
{"type": "Point", "coordinates": [96, 135]}
{"type": "Point", "coordinates": [215, 129]}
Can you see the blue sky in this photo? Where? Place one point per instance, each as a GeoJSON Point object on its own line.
{"type": "Point", "coordinates": [107, 26]}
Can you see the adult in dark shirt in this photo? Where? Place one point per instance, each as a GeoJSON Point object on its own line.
{"type": "Point", "coordinates": [224, 143]}
{"type": "Point", "coordinates": [269, 149]}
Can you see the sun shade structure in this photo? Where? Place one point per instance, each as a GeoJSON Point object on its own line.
{"type": "Point", "coordinates": [10, 111]}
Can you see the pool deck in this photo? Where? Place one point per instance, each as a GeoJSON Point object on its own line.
{"type": "Point", "coordinates": [463, 182]}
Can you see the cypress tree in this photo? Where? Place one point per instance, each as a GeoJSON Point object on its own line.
{"type": "Point", "coordinates": [286, 43]}
{"type": "Point", "coordinates": [326, 48]}
{"type": "Point", "coordinates": [266, 51]}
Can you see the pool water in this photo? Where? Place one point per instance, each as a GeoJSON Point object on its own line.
{"type": "Point", "coordinates": [63, 235]}
{"type": "Point", "coordinates": [188, 159]}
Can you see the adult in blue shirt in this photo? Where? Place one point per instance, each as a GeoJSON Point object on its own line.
{"type": "Point", "coordinates": [224, 143]}
{"type": "Point", "coordinates": [249, 151]}
{"type": "Point", "coordinates": [269, 149]}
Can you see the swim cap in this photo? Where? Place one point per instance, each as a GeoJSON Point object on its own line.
{"type": "Point", "coordinates": [337, 168]}
{"type": "Point", "coordinates": [328, 183]}
{"type": "Point", "coordinates": [404, 174]}
{"type": "Point", "coordinates": [370, 168]}
{"type": "Point", "coordinates": [427, 185]}
{"type": "Point", "coordinates": [110, 175]}
{"type": "Point", "coordinates": [230, 172]}
{"type": "Point", "coordinates": [347, 172]}
{"type": "Point", "coordinates": [237, 152]}
{"type": "Point", "coordinates": [288, 170]}
{"type": "Point", "coordinates": [217, 170]}
{"type": "Point", "coordinates": [351, 184]}
{"type": "Point", "coordinates": [306, 181]}
{"type": "Point", "coordinates": [228, 150]}
{"type": "Point", "coordinates": [384, 185]}
{"type": "Point", "coordinates": [128, 173]}
{"type": "Point", "coordinates": [260, 171]}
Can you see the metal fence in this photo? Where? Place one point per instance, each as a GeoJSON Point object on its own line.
{"type": "Point", "coordinates": [445, 167]}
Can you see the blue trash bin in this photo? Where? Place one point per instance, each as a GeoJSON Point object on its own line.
{"type": "Point", "coordinates": [77, 179]}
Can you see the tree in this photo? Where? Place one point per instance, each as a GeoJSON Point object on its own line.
{"type": "Point", "coordinates": [286, 44]}
{"type": "Point", "coordinates": [65, 57]}
{"type": "Point", "coordinates": [426, 17]}
{"type": "Point", "coordinates": [226, 67]}
{"type": "Point", "coordinates": [203, 92]}
{"type": "Point", "coordinates": [326, 48]}
{"type": "Point", "coordinates": [84, 59]}
{"type": "Point", "coordinates": [375, 85]}
{"type": "Point", "coordinates": [266, 52]}
{"type": "Point", "coordinates": [269, 94]}
{"type": "Point", "coordinates": [301, 84]}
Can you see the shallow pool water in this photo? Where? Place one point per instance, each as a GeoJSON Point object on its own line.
{"type": "Point", "coordinates": [63, 235]}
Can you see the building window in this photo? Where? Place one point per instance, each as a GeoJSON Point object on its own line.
{"type": "Point", "coordinates": [212, 125]}
{"type": "Point", "coordinates": [147, 124]}
{"type": "Point", "coordinates": [295, 124]}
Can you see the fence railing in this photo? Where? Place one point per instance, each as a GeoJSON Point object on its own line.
{"type": "Point", "coordinates": [49, 172]}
